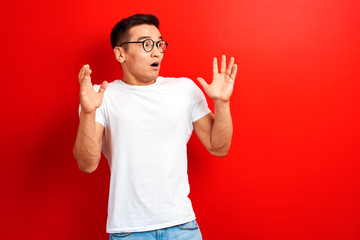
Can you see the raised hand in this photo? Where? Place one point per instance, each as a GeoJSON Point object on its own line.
{"type": "Point", "coordinates": [222, 84]}
{"type": "Point", "coordinates": [90, 100]}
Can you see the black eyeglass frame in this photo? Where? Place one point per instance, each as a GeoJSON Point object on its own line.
{"type": "Point", "coordinates": [153, 44]}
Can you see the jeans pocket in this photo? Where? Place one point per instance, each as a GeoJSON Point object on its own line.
{"type": "Point", "coordinates": [189, 226]}
{"type": "Point", "coordinates": [122, 234]}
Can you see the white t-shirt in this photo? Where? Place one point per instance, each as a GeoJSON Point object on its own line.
{"type": "Point", "coordinates": [146, 132]}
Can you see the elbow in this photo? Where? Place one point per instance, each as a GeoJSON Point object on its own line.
{"type": "Point", "coordinates": [219, 152]}
{"type": "Point", "coordinates": [219, 149]}
{"type": "Point", "coordinates": [87, 170]}
{"type": "Point", "coordinates": [85, 164]}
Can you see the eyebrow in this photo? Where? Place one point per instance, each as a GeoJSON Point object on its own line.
{"type": "Point", "coordinates": [146, 37]}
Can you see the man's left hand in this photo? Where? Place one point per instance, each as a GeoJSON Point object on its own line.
{"type": "Point", "coordinates": [222, 84]}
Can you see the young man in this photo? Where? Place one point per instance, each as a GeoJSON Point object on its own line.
{"type": "Point", "coordinates": [142, 124]}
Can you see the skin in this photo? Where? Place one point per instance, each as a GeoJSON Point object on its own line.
{"type": "Point", "coordinates": [135, 62]}
{"type": "Point", "coordinates": [214, 130]}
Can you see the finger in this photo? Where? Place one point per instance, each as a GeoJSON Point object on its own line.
{"type": "Point", "coordinates": [231, 64]}
{"type": "Point", "coordinates": [234, 71]}
{"type": "Point", "coordinates": [223, 63]}
{"type": "Point", "coordinates": [103, 87]}
{"type": "Point", "coordinates": [202, 82]}
{"type": "Point", "coordinates": [87, 73]}
{"type": "Point", "coordinates": [81, 72]}
{"type": "Point", "coordinates": [86, 78]}
{"type": "Point", "coordinates": [215, 66]}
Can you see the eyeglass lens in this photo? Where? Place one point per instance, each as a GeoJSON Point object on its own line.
{"type": "Point", "coordinates": [149, 45]}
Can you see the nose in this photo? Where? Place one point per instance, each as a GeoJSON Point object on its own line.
{"type": "Point", "coordinates": [155, 52]}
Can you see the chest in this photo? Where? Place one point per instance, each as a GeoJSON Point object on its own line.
{"type": "Point", "coordinates": [159, 110]}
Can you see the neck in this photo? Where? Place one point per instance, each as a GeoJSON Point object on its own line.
{"type": "Point", "coordinates": [137, 82]}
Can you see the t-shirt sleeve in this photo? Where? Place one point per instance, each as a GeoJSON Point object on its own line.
{"type": "Point", "coordinates": [199, 106]}
{"type": "Point", "coordinates": [99, 117]}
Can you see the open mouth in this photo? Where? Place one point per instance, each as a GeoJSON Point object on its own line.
{"type": "Point", "coordinates": [155, 64]}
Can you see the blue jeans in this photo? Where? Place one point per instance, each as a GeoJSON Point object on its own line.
{"type": "Point", "coordinates": [186, 231]}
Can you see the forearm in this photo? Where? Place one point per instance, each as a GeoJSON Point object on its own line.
{"type": "Point", "coordinates": [87, 149]}
{"type": "Point", "coordinates": [222, 129]}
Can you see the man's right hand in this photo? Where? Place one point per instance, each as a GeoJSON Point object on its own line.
{"type": "Point", "coordinates": [90, 100]}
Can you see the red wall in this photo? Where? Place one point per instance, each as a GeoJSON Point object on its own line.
{"type": "Point", "coordinates": [293, 170]}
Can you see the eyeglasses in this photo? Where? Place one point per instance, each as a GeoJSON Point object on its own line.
{"type": "Point", "coordinates": [148, 45]}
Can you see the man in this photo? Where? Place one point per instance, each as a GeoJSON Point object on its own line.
{"type": "Point", "coordinates": [142, 124]}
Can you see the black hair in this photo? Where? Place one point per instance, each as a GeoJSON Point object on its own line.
{"type": "Point", "coordinates": [120, 31]}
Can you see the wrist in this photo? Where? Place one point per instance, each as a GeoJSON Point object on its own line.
{"type": "Point", "coordinates": [221, 106]}
{"type": "Point", "coordinates": [221, 102]}
{"type": "Point", "coordinates": [84, 113]}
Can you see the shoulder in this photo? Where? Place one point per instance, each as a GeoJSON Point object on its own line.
{"type": "Point", "coordinates": [111, 85]}
{"type": "Point", "coordinates": [111, 92]}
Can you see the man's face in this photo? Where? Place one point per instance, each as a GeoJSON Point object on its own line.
{"type": "Point", "coordinates": [141, 67]}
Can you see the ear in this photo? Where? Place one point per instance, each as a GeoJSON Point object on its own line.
{"type": "Point", "coordinates": [119, 54]}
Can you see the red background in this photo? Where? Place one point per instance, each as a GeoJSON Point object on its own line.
{"type": "Point", "coordinates": [293, 170]}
